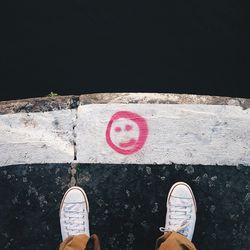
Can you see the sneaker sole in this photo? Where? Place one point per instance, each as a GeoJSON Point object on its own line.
{"type": "Point", "coordinates": [82, 191]}
{"type": "Point", "coordinates": [185, 184]}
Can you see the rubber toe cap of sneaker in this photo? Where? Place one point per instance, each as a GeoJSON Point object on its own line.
{"type": "Point", "coordinates": [182, 191]}
{"type": "Point", "coordinates": [75, 195]}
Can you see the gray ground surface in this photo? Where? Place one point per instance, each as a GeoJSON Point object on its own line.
{"type": "Point", "coordinates": [127, 204]}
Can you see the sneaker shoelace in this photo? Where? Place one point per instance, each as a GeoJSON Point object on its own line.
{"type": "Point", "coordinates": [179, 219]}
{"type": "Point", "coordinates": [74, 219]}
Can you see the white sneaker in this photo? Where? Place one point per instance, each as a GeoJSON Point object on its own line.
{"type": "Point", "coordinates": [74, 213]}
{"type": "Point", "coordinates": [181, 210]}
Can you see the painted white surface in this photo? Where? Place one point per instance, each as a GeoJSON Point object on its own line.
{"type": "Point", "coordinates": [37, 137]}
{"type": "Point", "coordinates": [177, 133]}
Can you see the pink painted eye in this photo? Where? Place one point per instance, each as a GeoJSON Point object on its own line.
{"type": "Point", "coordinates": [118, 129]}
{"type": "Point", "coordinates": [128, 127]}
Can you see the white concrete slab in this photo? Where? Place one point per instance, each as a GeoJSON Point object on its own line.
{"type": "Point", "coordinates": [37, 137]}
{"type": "Point", "coordinates": [163, 134]}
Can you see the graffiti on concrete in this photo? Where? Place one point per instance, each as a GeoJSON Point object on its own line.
{"type": "Point", "coordinates": [126, 132]}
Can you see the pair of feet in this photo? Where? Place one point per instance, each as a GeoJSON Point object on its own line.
{"type": "Point", "coordinates": [180, 216]}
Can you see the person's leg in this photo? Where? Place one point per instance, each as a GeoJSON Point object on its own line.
{"type": "Point", "coordinates": [81, 242]}
{"type": "Point", "coordinates": [180, 219]}
{"type": "Point", "coordinates": [76, 242]}
{"type": "Point", "coordinates": [74, 221]}
{"type": "Point", "coordinates": [174, 241]}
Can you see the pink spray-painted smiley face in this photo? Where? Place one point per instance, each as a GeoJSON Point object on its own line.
{"type": "Point", "coordinates": [126, 132]}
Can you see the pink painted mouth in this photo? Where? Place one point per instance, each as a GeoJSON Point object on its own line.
{"type": "Point", "coordinates": [130, 143]}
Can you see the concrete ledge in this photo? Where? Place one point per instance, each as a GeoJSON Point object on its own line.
{"type": "Point", "coordinates": [126, 128]}
{"type": "Point", "coordinates": [37, 137]}
{"type": "Point", "coordinates": [163, 134]}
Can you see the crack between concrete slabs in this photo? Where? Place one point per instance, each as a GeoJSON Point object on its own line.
{"type": "Point", "coordinates": [73, 165]}
{"type": "Point", "coordinates": [74, 135]}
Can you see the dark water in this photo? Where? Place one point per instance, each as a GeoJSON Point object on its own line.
{"type": "Point", "coordinates": [83, 46]}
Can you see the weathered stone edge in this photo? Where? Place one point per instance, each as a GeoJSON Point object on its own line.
{"type": "Point", "coordinates": [41, 104]}
{"type": "Point", "coordinates": [162, 98]}
{"type": "Point", "coordinates": [44, 104]}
